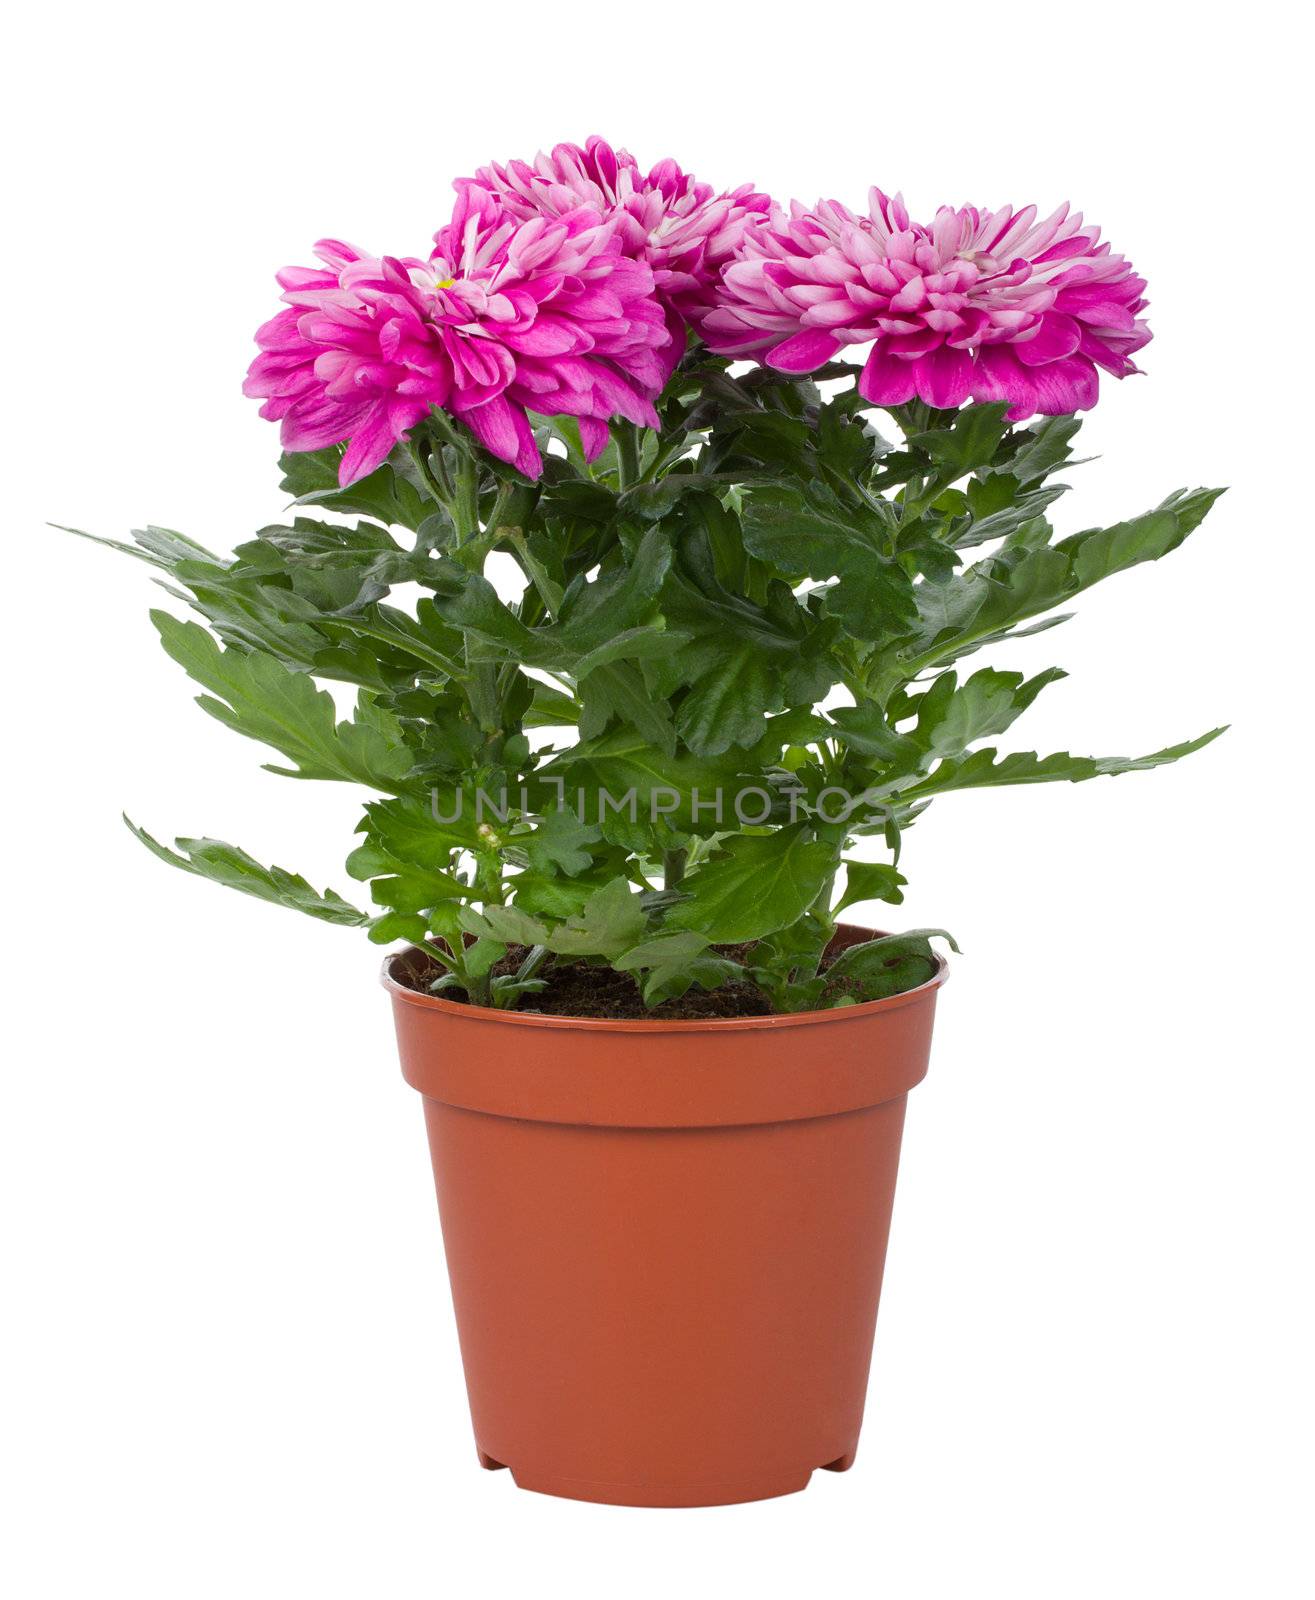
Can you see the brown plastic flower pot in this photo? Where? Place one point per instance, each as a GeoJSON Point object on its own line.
{"type": "Point", "coordinates": [665, 1238]}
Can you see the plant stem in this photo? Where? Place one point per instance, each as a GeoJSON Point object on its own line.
{"type": "Point", "coordinates": [432, 472]}
{"type": "Point", "coordinates": [627, 454]}
{"type": "Point", "coordinates": [544, 587]}
{"type": "Point", "coordinates": [481, 685]}
{"type": "Point", "coordinates": [465, 500]}
{"type": "Point", "coordinates": [673, 867]}
{"type": "Point", "coordinates": [532, 963]}
{"type": "Point", "coordinates": [504, 494]}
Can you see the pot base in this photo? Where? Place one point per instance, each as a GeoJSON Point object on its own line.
{"type": "Point", "coordinates": [731, 1492]}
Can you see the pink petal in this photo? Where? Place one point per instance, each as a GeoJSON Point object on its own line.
{"type": "Point", "coordinates": [886, 380]}
{"type": "Point", "coordinates": [504, 431]}
{"type": "Point", "coordinates": [944, 377]}
{"type": "Point", "coordinates": [804, 352]}
{"type": "Point", "coordinates": [593, 437]}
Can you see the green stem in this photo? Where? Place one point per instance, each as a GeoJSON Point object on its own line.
{"type": "Point", "coordinates": [465, 500]}
{"type": "Point", "coordinates": [505, 492]}
{"type": "Point", "coordinates": [432, 472]}
{"type": "Point", "coordinates": [532, 963]}
{"type": "Point", "coordinates": [481, 683]}
{"type": "Point", "coordinates": [627, 454]}
{"type": "Point", "coordinates": [425, 653]}
{"type": "Point", "coordinates": [480, 989]}
{"type": "Point", "coordinates": [488, 877]}
{"type": "Point", "coordinates": [548, 591]}
{"type": "Point", "coordinates": [673, 867]}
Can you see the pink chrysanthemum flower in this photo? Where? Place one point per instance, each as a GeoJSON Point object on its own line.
{"type": "Point", "coordinates": [682, 228]}
{"type": "Point", "coordinates": [506, 316]}
{"type": "Point", "coordinates": [978, 305]}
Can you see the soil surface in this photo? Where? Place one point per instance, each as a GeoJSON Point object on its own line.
{"type": "Point", "coordinates": [576, 989]}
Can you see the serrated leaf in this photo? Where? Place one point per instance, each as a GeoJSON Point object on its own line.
{"type": "Point", "coordinates": [759, 884]}
{"type": "Point", "coordinates": [873, 596]}
{"type": "Point", "coordinates": [551, 708]}
{"type": "Point", "coordinates": [730, 702]}
{"type": "Point", "coordinates": [1025, 581]}
{"type": "Point", "coordinates": [266, 701]}
{"type": "Point", "coordinates": [611, 922]}
{"type": "Point", "coordinates": [560, 841]}
{"type": "Point", "coordinates": [951, 716]}
{"type": "Point", "coordinates": [889, 965]}
{"type": "Point", "coordinates": [599, 774]}
{"type": "Point", "coordinates": [1099, 552]}
{"type": "Point", "coordinates": [672, 963]}
{"type": "Point", "coordinates": [479, 958]}
{"type": "Point", "coordinates": [509, 924]}
{"type": "Point", "coordinates": [623, 596]}
{"type": "Point", "coordinates": [970, 442]}
{"type": "Point", "coordinates": [618, 693]}
{"type": "Point", "coordinates": [988, 769]}
{"type": "Point", "coordinates": [631, 644]}
{"type": "Point", "coordinates": [235, 869]}
{"type": "Point", "coordinates": [311, 478]}
{"type": "Point", "coordinates": [1045, 446]}
{"type": "Point", "coordinates": [548, 894]}
{"type": "Point", "coordinates": [412, 889]}
{"type": "Point", "coordinates": [405, 831]}
{"type": "Point", "coordinates": [871, 880]}
{"type": "Point", "coordinates": [396, 925]}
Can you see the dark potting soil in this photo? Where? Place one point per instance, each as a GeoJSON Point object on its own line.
{"type": "Point", "coordinates": [577, 989]}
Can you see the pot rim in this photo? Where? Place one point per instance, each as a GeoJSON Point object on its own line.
{"type": "Point", "coordinates": [668, 1025]}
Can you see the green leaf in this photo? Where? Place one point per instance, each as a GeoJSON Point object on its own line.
{"type": "Point", "coordinates": [1015, 515]}
{"type": "Point", "coordinates": [560, 841]}
{"type": "Point", "coordinates": [1024, 581]}
{"type": "Point", "coordinates": [480, 958]}
{"type": "Point", "coordinates": [406, 831]}
{"type": "Point", "coordinates": [1098, 552]}
{"type": "Point", "coordinates": [623, 596]}
{"type": "Point", "coordinates": [311, 477]}
{"type": "Point", "coordinates": [470, 602]}
{"type": "Point", "coordinates": [549, 894]}
{"type": "Point", "coordinates": [871, 880]}
{"type": "Point", "coordinates": [742, 659]}
{"type": "Point", "coordinates": [264, 700]}
{"type": "Point", "coordinates": [730, 702]}
{"type": "Point", "coordinates": [673, 962]}
{"type": "Point", "coordinates": [1045, 446]}
{"type": "Point", "coordinates": [551, 708]}
{"type": "Point", "coordinates": [760, 883]}
{"type": "Point", "coordinates": [866, 730]}
{"type": "Point", "coordinates": [873, 597]}
{"type": "Point", "coordinates": [631, 644]}
{"type": "Point", "coordinates": [396, 925]}
{"type": "Point", "coordinates": [970, 442]}
{"type": "Point", "coordinates": [506, 923]}
{"type": "Point", "coordinates": [413, 890]}
{"type": "Point", "coordinates": [985, 769]}
{"type": "Point", "coordinates": [618, 693]}
{"type": "Point", "coordinates": [235, 869]}
{"type": "Point", "coordinates": [611, 922]}
{"type": "Point", "coordinates": [953, 716]}
{"type": "Point", "coordinates": [678, 788]}
{"type": "Point", "coordinates": [890, 965]}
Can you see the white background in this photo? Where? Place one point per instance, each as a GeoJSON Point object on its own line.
{"type": "Point", "coordinates": [231, 1366]}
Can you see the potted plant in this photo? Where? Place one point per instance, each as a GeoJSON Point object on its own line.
{"type": "Point", "coordinates": [695, 602]}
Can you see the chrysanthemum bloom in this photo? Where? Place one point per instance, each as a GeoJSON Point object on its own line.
{"type": "Point", "coordinates": [682, 228]}
{"type": "Point", "coordinates": [978, 305]}
{"type": "Point", "coordinates": [506, 316]}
